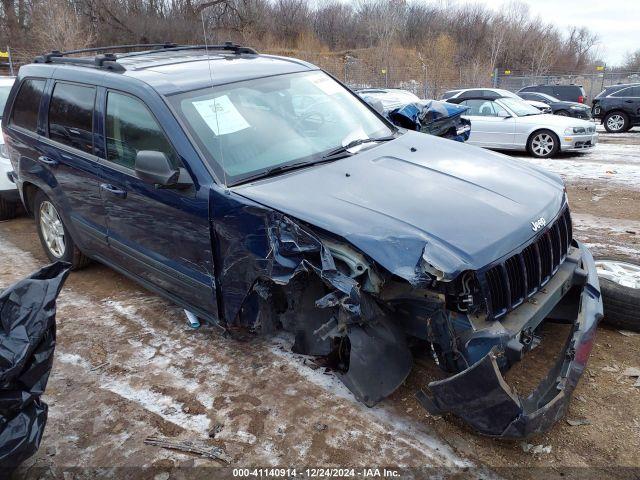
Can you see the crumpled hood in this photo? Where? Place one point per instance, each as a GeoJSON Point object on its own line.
{"type": "Point", "coordinates": [458, 206]}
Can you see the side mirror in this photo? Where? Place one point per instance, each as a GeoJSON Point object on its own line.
{"type": "Point", "coordinates": [504, 114]}
{"type": "Point", "coordinates": [154, 167]}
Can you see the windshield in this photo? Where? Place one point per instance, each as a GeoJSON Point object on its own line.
{"type": "Point", "coordinates": [506, 93]}
{"type": "Point", "coordinates": [548, 97]}
{"type": "Point", "coordinates": [4, 94]}
{"type": "Point", "coordinates": [253, 126]}
{"type": "Point", "coordinates": [519, 107]}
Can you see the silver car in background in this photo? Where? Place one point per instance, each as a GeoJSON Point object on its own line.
{"type": "Point", "coordinates": [512, 124]}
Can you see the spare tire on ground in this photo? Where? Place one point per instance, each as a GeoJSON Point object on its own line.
{"type": "Point", "coordinates": [620, 287]}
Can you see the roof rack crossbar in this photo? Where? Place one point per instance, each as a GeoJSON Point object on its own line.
{"type": "Point", "coordinates": [157, 46]}
{"type": "Point", "coordinates": [109, 61]}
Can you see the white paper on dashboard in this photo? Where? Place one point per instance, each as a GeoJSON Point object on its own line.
{"type": "Point", "coordinates": [326, 84]}
{"type": "Point", "coordinates": [221, 115]}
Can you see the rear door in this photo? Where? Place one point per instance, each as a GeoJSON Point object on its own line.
{"type": "Point", "coordinates": [629, 100]}
{"type": "Point", "coordinates": [69, 155]}
{"type": "Point", "coordinates": [491, 125]}
{"type": "Point", "coordinates": [24, 129]}
{"type": "Point", "coordinates": [161, 235]}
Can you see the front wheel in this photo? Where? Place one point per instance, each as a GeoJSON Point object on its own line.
{"type": "Point", "coordinates": [620, 288]}
{"type": "Point", "coordinates": [543, 144]}
{"type": "Point", "coordinates": [616, 122]}
{"type": "Point", "coordinates": [562, 113]}
{"type": "Point", "coordinates": [54, 236]}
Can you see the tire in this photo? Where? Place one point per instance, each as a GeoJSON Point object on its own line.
{"type": "Point", "coordinates": [543, 144]}
{"type": "Point", "coordinates": [621, 303]}
{"type": "Point", "coordinates": [562, 113]}
{"type": "Point", "coordinates": [8, 209]}
{"type": "Point", "coordinates": [616, 122]}
{"type": "Point", "coordinates": [46, 213]}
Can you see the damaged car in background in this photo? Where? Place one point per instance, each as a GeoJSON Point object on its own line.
{"type": "Point", "coordinates": [299, 207]}
{"type": "Point", "coordinates": [404, 109]}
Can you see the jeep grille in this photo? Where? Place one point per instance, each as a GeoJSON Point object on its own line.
{"type": "Point", "coordinates": [513, 280]}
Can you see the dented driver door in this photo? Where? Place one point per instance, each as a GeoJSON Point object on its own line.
{"type": "Point", "coordinates": [159, 234]}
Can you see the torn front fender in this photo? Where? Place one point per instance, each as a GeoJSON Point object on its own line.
{"type": "Point", "coordinates": [480, 396]}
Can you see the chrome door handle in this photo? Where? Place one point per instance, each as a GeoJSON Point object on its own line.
{"type": "Point", "coordinates": [115, 191]}
{"type": "Point", "coordinates": [48, 161]}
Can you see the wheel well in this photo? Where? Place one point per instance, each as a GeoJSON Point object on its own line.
{"type": "Point", "coordinates": [532, 134]}
{"type": "Point", "coordinates": [29, 190]}
{"type": "Point", "coordinates": [616, 110]}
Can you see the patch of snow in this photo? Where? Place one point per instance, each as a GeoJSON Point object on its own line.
{"type": "Point", "coordinates": [166, 407]}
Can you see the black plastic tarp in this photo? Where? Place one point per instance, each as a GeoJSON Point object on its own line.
{"type": "Point", "coordinates": [27, 343]}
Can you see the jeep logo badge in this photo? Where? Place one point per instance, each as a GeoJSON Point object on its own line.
{"type": "Point", "coordinates": [538, 224]}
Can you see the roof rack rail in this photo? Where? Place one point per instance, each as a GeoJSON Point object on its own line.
{"type": "Point", "coordinates": [109, 61]}
{"type": "Point", "coordinates": [226, 46]}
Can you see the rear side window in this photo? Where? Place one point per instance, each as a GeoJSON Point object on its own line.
{"type": "Point", "coordinates": [627, 92]}
{"type": "Point", "coordinates": [71, 115]}
{"type": "Point", "coordinates": [130, 128]}
{"type": "Point", "coordinates": [27, 103]}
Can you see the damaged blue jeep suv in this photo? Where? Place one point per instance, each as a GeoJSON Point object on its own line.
{"type": "Point", "coordinates": [261, 194]}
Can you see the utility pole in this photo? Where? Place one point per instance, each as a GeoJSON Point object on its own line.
{"type": "Point", "coordinates": [10, 61]}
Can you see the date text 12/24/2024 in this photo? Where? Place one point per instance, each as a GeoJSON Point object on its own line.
{"type": "Point", "coordinates": [315, 473]}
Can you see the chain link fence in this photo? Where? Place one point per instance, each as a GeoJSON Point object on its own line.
{"type": "Point", "coordinates": [404, 69]}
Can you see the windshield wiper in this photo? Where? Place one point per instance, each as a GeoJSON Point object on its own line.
{"type": "Point", "coordinates": [334, 154]}
{"type": "Point", "coordinates": [344, 150]}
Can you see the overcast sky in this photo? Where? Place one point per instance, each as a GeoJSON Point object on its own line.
{"type": "Point", "coordinates": [617, 22]}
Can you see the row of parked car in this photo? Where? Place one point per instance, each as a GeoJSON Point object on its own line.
{"type": "Point", "coordinates": [543, 119]}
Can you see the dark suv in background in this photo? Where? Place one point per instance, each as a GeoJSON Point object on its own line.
{"type": "Point", "coordinates": [559, 107]}
{"type": "Point", "coordinates": [618, 106]}
{"type": "Point", "coordinates": [568, 93]}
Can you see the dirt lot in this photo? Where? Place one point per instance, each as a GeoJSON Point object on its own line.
{"type": "Point", "coordinates": [127, 367]}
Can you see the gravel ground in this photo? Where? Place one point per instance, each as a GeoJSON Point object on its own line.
{"type": "Point", "coordinates": [127, 367]}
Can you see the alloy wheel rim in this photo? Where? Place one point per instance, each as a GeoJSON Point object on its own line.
{"type": "Point", "coordinates": [615, 122]}
{"type": "Point", "coordinates": [623, 273]}
{"type": "Point", "coordinates": [542, 144]}
{"type": "Point", "coordinates": [52, 229]}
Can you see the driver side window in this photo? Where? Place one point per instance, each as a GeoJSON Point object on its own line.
{"type": "Point", "coordinates": [130, 127]}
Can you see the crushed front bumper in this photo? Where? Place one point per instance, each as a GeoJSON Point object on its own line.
{"type": "Point", "coordinates": [480, 396]}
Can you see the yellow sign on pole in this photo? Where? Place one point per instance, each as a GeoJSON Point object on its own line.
{"type": "Point", "coordinates": [4, 54]}
{"type": "Point", "coordinates": [507, 72]}
{"type": "Point", "coordinates": [384, 70]}
{"type": "Point", "coordinates": [600, 68]}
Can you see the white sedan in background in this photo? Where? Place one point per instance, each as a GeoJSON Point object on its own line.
{"type": "Point", "coordinates": [9, 198]}
{"type": "Point", "coordinates": [512, 124]}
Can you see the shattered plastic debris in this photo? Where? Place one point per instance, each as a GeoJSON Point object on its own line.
{"type": "Point", "coordinates": [192, 319]}
{"type": "Point", "coordinates": [633, 372]}
{"type": "Point", "coordinates": [576, 422]}
{"type": "Point", "coordinates": [27, 343]}
{"type": "Point", "coordinates": [535, 449]}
